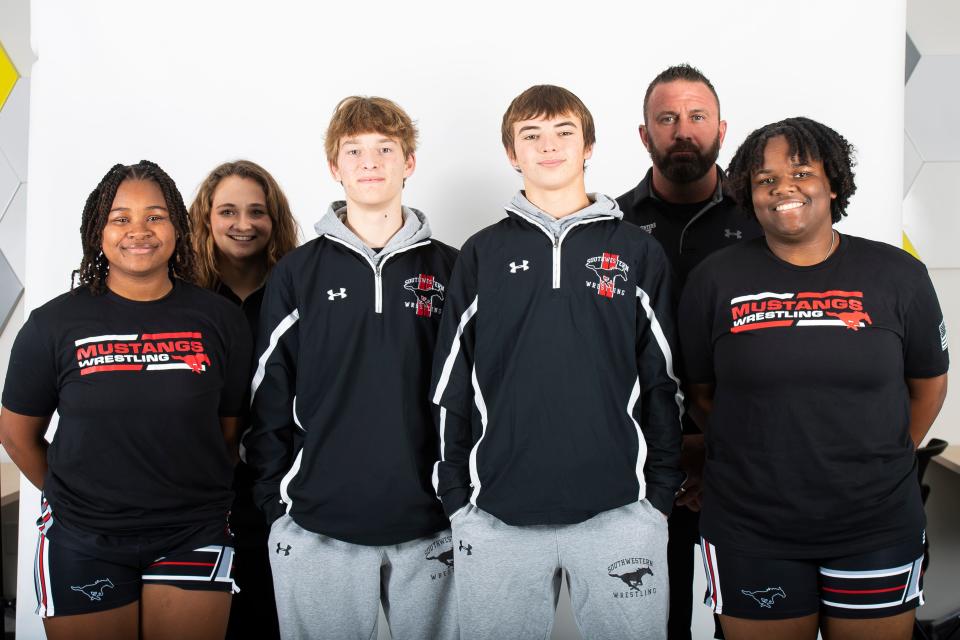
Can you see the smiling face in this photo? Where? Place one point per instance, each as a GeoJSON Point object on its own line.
{"type": "Point", "coordinates": [371, 167]}
{"type": "Point", "coordinates": [138, 238]}
{"type": "Point", "coordinates": [791, 198]}
{"type": "Point", "coordinates": [239, 221]}
{"type": "Point", "coordinates": [550, 152]}
{"type": "Point", "coordinates": [683, 130]}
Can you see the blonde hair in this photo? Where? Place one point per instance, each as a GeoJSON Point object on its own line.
{"type": "Point", "coordinates": [283, 239]}
{"type": "Point", "coordinates": [369, 114]}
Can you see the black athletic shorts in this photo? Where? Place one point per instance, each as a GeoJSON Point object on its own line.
{"type": "Point", "coordinates": [81, 572]}
{"type": "Point", "coordinates": [875, 584]}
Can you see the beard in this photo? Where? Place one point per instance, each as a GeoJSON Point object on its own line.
{"type": "Point", "coordinates": [687, 168]}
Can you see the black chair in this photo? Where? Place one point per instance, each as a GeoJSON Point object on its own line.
{"type": "Point", "coordinates": [935, 447]}
{"type": "Point", "coordinates": [948, 627]}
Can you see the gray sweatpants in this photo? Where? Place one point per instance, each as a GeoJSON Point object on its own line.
{"type": "Point", "coordinates": [331, 589]}
{"type": "Point", "coordinates": [508, 577]}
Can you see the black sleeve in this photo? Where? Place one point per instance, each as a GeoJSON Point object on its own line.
{"type": "Point", "coordinates": [452, 387]}
{"type": "Point", "coordinates": [925, 352]}
{"type": "Point", "coordinates": [31, 386]}
{"type": "Point", "coordinates": [269, 446]}
{"type": "Point", "coordinates": [660, 405]}
{"type": "Point", "coordinates": [236, 379]}
{"type": "Point", "coordinates": [695, 322]}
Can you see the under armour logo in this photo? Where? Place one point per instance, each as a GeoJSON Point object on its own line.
{"type": "Point", "coordinates": [284, 550]}
{"type": "Point", "coordinates": [331, 295]}
{"type": "Point", "coordinates": [468, 548]}
{"type": "Point", "coordinates": [523, 266]}
{"type": "Point", "coordinates": [733, 234]}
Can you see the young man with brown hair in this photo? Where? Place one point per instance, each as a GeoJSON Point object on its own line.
{"type": "Point", "coordinates": [343, 438]}
{"type": "Point", "coordinates": [560, 413]}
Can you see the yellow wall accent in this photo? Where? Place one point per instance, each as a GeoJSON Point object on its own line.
{"type": "Point", "coordinates": [8, 76]}
{"type": "Point", "coordinates": [908, 246]}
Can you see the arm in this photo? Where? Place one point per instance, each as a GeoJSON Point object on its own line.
{"type": "Point", "coordinates": [697, 349]}
{"type": "Point", "coordinates": [234, 398]}
{"type": "Point", "coordinates": [694, 453]}
{"type": "Point", "coordinates": [22, 437]}
{"type": "Point", "coordinates": [926, 358]}
{"type": "Point", "coordinates": [271, 444]}
{"type": "Point", "coordinates": [661, 401]}
{"type": "Point", "coordinates": [926, 399]}
{"type": "Point", "coordinates": [452, 387]}
{"type": "Point", "coordinates": [231, 435]}
{"type": "Point", "coordinates": [692, 458]}
{"type": "Point", "coordinates": [701, 403]}
{"type": "Point", "coordinates": [30, 396]}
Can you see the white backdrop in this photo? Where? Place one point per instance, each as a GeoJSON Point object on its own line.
{"type": "Point", "coordinates": [191, 84]}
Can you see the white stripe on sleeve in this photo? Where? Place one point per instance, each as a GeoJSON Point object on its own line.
{"type": "Point", "coordinates": [281, 328]}
{"type": "Point", "coordinates": [662, 343]}
{"type": "Point", "coordinates": [454, 350]}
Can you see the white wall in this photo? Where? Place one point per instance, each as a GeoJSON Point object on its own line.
{"type": "Point", "coordinates": [190, 84]}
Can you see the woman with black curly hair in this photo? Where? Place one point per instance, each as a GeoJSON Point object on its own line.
{"type": "Point", "coordinates": [819, 363]}
{"type": "Point", "coordinates": [148, 375]}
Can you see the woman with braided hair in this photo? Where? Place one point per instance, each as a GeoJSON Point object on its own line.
{"type": "Point", "coordinates": [241, 226]}
{"type": "Point", "coordinates": [820, 361]}
{"type": "Point", "coordinates": [148, 375]}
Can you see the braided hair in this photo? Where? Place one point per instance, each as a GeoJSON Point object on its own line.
{"type": "Point", "coordinates": [94, 267]}
{"type": "Point", "coordinates": [808, 140]}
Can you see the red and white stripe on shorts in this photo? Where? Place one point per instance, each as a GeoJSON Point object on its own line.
{"type": "Point", "coordinates": [41, 562]}
{"type": "Point", "coordinates": [878, 589]}
{"type": "Point", "coordinates": [713, 597]}
{"type": "Point", "coordinates": [213, 563]}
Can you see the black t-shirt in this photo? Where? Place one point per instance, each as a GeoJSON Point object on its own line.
{"type": "Point", "coordinates": [808, 445]}
{"type": "Point", "coordinates": [140, 388]}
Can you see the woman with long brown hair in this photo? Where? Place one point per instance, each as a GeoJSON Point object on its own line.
{"type": "Point", "coordinates": [241, 227]}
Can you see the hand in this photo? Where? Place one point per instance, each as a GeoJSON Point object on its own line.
{"type": "Point", "coordinates": [692, 459]}
{"type": "Point", "coordinates": [690, 494]}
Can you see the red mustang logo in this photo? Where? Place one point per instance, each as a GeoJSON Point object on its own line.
{"type": "Point", "coordinates": [852, 318]}
{"type": "Point", "coordinates": [196, 361]}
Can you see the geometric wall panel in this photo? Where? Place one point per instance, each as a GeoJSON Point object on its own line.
{"type": "Point", "coordinates": [911, 163]}
{"type": "Point", "coordinates": [931, 214]}
{"type": "Point", "coordinates": [934, 26]}
{"type": "Point", "coordinates": [909, 248]}
{"type": "Point", "coordinates": [13, 232]}
{"type": "Point", "coordinates": [13, 127]}
{"type": "Point", "coordinates": [8, 76]}
{"type": "Point", "coordinates": [931, 112]}
{"type": "Point", "coordinates": [10, 290]}
{"type": "Point", "coordinates": [9, 183]}
{"type": "Point", "coordinates": [913, 57]}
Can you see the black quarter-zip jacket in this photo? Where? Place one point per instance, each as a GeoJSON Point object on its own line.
{"type": "Point", "coordinates": [688, 239]}
{"type": "Point", "coordinates": [554, 370]}
{"type": "Point", "coordinates": [343, 436]}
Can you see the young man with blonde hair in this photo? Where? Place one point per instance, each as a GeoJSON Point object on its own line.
{"type": "Point", "coordinates": [343, 438]}
{"type": "Point", "coordinates": [560, 413]}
